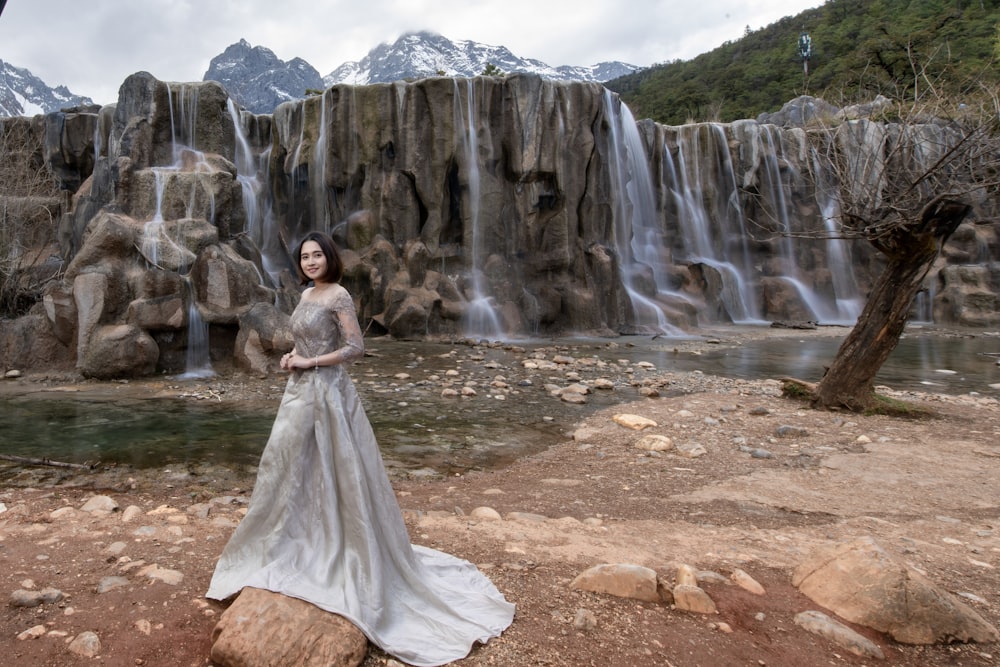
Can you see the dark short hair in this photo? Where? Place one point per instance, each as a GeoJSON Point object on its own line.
{"type": "Point", "coordinates": [334, 265]}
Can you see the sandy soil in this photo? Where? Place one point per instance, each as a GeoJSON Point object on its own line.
{"type": "Point", "coordinates": [925, 489]}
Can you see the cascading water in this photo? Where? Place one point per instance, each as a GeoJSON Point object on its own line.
{"type": "Point", "coordinates": [197, 361]}
{"type": "Point", "coordinates": [187, 161]}
{"type": "Point", "coordinates": [638, 235]}
{"type": "Point", "coordinates": [480, 319]}
{"type": "Point", "coordinates": [251, 174]}
{"type": "Point", "coordinates": [838, 252]}
{"type": "Point", "coordinates": [774, 188]}
{"type": "Point", "coordinates": [706, 197]}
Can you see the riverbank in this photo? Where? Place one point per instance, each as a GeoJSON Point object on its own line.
{"type": "Point", "coordinates": [733, 491]}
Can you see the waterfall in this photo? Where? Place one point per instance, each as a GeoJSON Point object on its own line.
{"type": "Point", "coordinates": [251, 174]}
{"type": "Point", "coordinates": [638, 235]}
{"type": "Point", "coordinates": [187, 160]}
{"type": "Point", "coordinates": [706, 197]}
{"type": "Point", "coordinates": [480, 319]}
{"type": "Point", "coordinates": [197, 362]}
{"type": "Point", "coordinates": [838, 252]}
{"type": "Point", "coordinates": [317, 171]}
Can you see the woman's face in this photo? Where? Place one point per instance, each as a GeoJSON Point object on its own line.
{"type": "Point", "coordinates": [313, 261]}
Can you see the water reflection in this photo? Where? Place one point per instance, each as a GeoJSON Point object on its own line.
{"type": "Point", "coordinates": [418, 430]}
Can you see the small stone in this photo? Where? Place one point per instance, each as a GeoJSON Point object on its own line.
{"type": "Point", "coordinates": [87, 644]}
{"type": "Point", "coordinates": [131, 513]}
{"type": "Point", "coordinates": [12, 374]}
{"type": "Point", "coordinates": [759, 411]}
{"type": "Point", "coordinates": [691, 450]}
{"type": "Point", "coordinates": [584, 620]}
{"type": "Point", "coordinates": [157, 573]}
{"type": "Point", "coordinates": [692, 598]}
{"type": "Point", "coordinates": [788, 431]}
{"type": "Point", "coordinates": [820, 624]}
{"type": "Point", "coordinates": [100, 504]}
{"type": "Point", "coordinates": [622, 580]}
{"type": "Point", "coordinates": [110, 583]}
{"type": "Point", "coordinates": [654, 443]}
{"type": "Point", "coordinates": [746, 582]}
{"type": "Point", "coordinates": [634, 422]}
{"type": "Point", "coordinates": [33, 633]}
{"type": "Point", "coordinates": [486, 513]}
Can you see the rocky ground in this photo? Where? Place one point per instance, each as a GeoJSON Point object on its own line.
{"type": "Point", "coordinates": [751, 481]}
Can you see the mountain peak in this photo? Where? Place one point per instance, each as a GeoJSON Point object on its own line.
{"type": "Point", "coordinates": [24, 94]}
{"type": "Point", "coordinates": [425, 53]}
{"type": "Point", "coordinates": [259, 80]}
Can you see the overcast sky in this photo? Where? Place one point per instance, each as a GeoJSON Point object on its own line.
{"type": "Point", "coordinates": [92, 46]}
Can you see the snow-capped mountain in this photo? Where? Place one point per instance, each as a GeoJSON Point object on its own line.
{"type": "Point", "coordinates": [24, 94]}
{"type": "Point", "coordinates": [421, 54]}
{"type": "Point", "coordinates": [258, 80]}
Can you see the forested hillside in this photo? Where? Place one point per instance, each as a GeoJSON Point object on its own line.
{"type": "Point", "coordinates": [859, 48]}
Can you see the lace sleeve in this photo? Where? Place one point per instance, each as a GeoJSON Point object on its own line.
{"type": "Point", "coordinates": [352, 342]}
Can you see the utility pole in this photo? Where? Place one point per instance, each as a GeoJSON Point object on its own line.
{"type": "Point", "coordinates": [805, 52]}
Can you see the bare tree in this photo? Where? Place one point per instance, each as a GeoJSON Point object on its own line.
{"type": "Point", "coordinates": [29, 204]}
{"type": "Point", "coordinates": [905, 182]}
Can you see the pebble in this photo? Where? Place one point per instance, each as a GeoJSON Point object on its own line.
{"type": "Point", "coordinates": [788, 431]}
{"type": "Point", "coordinates": [87, 644]}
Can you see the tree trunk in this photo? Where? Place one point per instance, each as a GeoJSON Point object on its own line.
{"type": "Point", "coordinates": [911, 250]}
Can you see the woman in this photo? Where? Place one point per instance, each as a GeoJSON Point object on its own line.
{"type": "Point", "coordinates": [323, 524]}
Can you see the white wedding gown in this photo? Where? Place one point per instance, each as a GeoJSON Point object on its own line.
{"type": "Point", "coordinates": [323, 523]}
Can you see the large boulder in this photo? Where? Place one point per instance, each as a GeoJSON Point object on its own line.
{"type": "Point", "coordinates": [118, 351]}
{"type": "Point", "coordinates": [226, 284]}
{"type": "Point", "coordinates": [263, 336]}
{"type": "Point", "coordinates": [265, 628]}
{"type": "Point", "coordinates": [863, 583]}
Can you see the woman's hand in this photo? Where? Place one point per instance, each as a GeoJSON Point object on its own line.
{"type": "Point", "coordinates": [293, 360]}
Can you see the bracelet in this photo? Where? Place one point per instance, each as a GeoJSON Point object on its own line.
{"type": "Point", "coordinates": [317, 364]}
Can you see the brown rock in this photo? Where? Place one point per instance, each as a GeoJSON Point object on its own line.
{"type": "Point", "coordinates": [623, 580]}
{"type": "Point", "coordinates": [265, 628]}
{"type": "Point", "coordinates": [862, 583]}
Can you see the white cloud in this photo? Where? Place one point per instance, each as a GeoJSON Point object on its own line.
{"type": "Point", "coordinates": [92, 47]}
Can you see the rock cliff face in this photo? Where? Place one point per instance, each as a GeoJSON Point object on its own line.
{"type": "Point", "coordinates": [482, 207]}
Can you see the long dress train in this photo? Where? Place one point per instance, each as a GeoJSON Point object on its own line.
{"type": "Point", "coordinates": [323, 523]}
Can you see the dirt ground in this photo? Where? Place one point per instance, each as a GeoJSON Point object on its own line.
{"type": "Point", "coordinates": [759, 498]}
